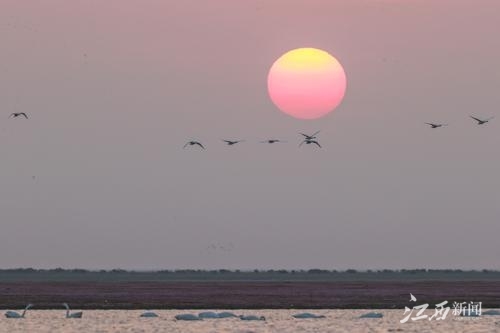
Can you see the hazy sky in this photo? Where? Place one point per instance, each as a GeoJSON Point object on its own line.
{"type": "Point", "coordinates": [97, 178]}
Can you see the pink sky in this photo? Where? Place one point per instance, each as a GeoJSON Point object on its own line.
{"type": "Point", "coordinates": [115, 88]}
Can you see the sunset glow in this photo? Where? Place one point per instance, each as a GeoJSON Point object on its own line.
{"type": "Point", "coordinates": [306, 83]}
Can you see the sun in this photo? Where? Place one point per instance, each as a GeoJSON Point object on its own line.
{"type": "Point", "coordinates": [306, 83]}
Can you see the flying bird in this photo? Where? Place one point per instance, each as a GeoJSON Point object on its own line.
{"type": "Point", "coordinates": [310, 137]}
{"type": "Point", "coordinates": [191, 143]}
{"type": "Point", "coordinates": [481, 121]}
{"type": "Point", "coordinates": [433, 125]}
{"type": "Point", "coordinates": [18, 114]}
{"type": "Point", "coordinates": [309, 141]}
{"type": "Point", "coordinates": [13, 314]}
{"type": "Point", "coordinates": [412, 298]}
{"type": "Point", "coordinates": [230, 142]}
{"type": "Point", "coordinates": [272, 141]}
{"type": "Point", "coordinates": [72, 315]}
{"type": "Point", "coordinates": [227, 247]}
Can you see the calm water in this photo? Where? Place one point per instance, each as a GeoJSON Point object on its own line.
{"type": "Point", "coordinates": [277, 321]}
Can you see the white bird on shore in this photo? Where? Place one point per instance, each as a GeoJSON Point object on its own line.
{"type": "Point", "coordinates": [13, 314]}
{"type": "Point", "coordinates": [74, 314]}
{"type": "Point", "coordinates": [252, 317]}
{"type": "Point", "coordinates": [307, 315]}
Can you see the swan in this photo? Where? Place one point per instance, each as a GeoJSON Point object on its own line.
{"type": "Point", "coordinates": [148, 314]}
{"type": "Point", "coordinates": [307, 315]}
{"type": "Point", "coordinates": [272, 141]}
{"type": "Point", "coordinates": [18, 114]}
{"type": "Point", "coordinates": [310, 137]}
{"type": "Point", "coordinates": [309, 141]}
{"type": "Point", "coordinates": [13, 314]}
{"type": "Point", "coordinates": [434, 125]}
{"type": "Point", "coordinates": [74, 314]}
{"type": "Point", "coordinates": [227, 315]}
{"type": "Point", "coordinates": [187, 316]}
{"type": "Point", "coordinates": [230, 143]}
{"type": "Point", "coordinates": [208, 315]}
{"type": "Point", "coordinates": [252, 317]}
{"type": "Point", "coordinates": [372, 315]}
{"type": "Point", "coordinates": [491, 313]}
{"type": "Point", "coordinates": [481, 121]}
{"type": "Point", "coordinates": [191, 143]}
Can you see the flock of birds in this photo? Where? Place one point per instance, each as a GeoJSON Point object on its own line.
{"type": "Point", "coordinates": [479, 122]}
{"type": "Point", "coordinates": [185, 316]}
{"type": "Point", "coordinates": [306, 138]}
{"type": "Point", "coordinates": [225, 314]}
{"type": "Point", "coordinates": [313, 139]}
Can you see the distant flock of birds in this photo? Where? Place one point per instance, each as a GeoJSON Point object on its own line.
{"type": "Point", "coordinates": [185, 316]}
{"type": "Point", "coordinates": [479, 122]}
{"type": "Point", "coordinates": [306, 138]}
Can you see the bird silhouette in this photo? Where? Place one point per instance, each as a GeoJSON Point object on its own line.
{"type": "Point", "coordinates": [412, 298]}
{"type": "Point", "coordinates": [310, 137]}
{"type": "Point", "coordinates": [231, 142]}
{"type": "Point", "coordinates": [74, 314]}
{"type": "Point", "coordinates": [309, 141]}
{"type": "Point", "coordinates": [191, 143]}
{"type": "Point", "coordinates": [13, 314]}
{"type": "Point", "coordinates": [481, 121]}
{"type": "Point", "coordinates": [18, 114]}
{"type": "Point", "coordinates": [272, 141]}
{"type": "Point", "coordinates": [433, 125]}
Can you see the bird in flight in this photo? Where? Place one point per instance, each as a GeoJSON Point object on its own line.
{"type": "Point", "coordinates": [272, 141]}
{"type": "Point", "coordinates": [481, 121]}
{"type": "Point", "coordinates": [310, 137]}
{"type": "Point", "coordinates": [18, 114]}
{"type": "Point", "coordinates": [434, 125]}
{"type": "Point", "coordinates": [191, 143]}
{"type": "Point", "coordinates": [230, 142]}
{"type": "Point", "coordinates": [309, 141]}
{"type": "Point", "coordinates": [412, 298]}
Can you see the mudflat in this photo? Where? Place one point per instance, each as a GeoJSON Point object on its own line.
{"type": "Point", "coordinates": [245, 294]}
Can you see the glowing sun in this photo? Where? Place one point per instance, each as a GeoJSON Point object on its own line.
{"type": "Point", "coordinates": [306, 83]}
